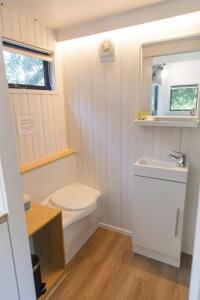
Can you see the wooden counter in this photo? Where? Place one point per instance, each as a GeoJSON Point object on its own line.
{"type": "Point", "coordinates": [39, 216]}
{"type": "Point", "coordinates": [46, 231]}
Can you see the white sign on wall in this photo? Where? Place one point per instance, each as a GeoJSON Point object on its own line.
{"type": "Point", "coordinates": [26, 125]}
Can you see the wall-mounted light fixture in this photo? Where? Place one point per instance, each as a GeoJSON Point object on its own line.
{"type": "Point", "coordinates": [107, 51]}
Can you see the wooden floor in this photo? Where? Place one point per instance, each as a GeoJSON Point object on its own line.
{"type": "Point", "coordinates": [106, 269]}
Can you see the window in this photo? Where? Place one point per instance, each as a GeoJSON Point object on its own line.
{"type": "Point", "coordinates": [155, 92]}
{"type": "Point", "coordinates": [27, 68]}
{"type": "Point", "coordinates": [184, 97]}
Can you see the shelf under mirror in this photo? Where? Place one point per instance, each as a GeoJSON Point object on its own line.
{"type": "Point", "coordinates": [165, 121]}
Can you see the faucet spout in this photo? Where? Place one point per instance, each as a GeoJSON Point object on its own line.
{"type": "Point", "coordinates": [179, 157]}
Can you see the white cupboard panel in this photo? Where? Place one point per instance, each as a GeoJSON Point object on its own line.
{"type": "Point", "coordinates": [158, 209]}
{"type": "Point", "coordinates": [8, 284]}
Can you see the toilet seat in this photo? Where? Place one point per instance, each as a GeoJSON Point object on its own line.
{"type": "Point", "coordinates": [76, 201]}
{"type": "Point", "coordinates": [74, 197]}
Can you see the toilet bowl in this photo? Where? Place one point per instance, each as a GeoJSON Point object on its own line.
{"type": "Point", "coordinates": [80, 214]}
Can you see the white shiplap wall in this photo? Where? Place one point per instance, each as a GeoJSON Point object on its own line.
{"type": "Point", "coordinates": [48, 107]}
{"type": "Point", "coordinates": [102, 100]}
{"type": "Point", "coordinates": [26, 29]}
{"type": "Point", "coordinates": [50, 136]}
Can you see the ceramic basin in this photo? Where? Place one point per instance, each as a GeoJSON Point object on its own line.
{"type": "Point", "coordinates": [160, 169]}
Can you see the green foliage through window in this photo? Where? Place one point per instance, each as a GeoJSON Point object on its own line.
{"type": "Point", "coordinates": [184, 98]}
{"type": "Point", "coordinates": [22, 69]}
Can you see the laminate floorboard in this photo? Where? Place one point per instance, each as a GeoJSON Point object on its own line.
{"type": "Point", "coordinates": [105, 268]}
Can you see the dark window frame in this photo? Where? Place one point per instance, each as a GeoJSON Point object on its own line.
{"type": "Point", "coordinates": [46, 67]}
{"type": "Point", "coordinates": [156, 91]}
{"type": "Point", "coordinates": [182, 86]}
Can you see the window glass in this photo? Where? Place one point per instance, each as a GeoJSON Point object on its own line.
{"type": "Point", "coordinates": [184, 98]}
{"type": "Point", "coordinates": [26, 70]}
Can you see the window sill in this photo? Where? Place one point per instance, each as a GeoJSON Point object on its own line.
{"type": "Point", "coordinates": [29, 91]}
{"type": "Point", "coordinates": [162, 121]}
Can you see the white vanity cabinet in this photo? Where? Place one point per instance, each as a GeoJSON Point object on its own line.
{"type": "Point", "coordinates": [158, 211]}
{"type": "Point", "coordinates": [8, 284]}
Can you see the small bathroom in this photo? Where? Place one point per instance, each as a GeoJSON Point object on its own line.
{"type": "Point", "coordinates": [100, 150]}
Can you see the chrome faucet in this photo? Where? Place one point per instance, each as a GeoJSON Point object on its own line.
{"type": "Point", "coordinates": [179, 157]}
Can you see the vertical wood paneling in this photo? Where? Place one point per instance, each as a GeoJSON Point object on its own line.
{"type": "Point", "coordinates": [30, 30]}
{"type": "Point", "coordinates": [50, 38]}
{"type": "Point", "coordinates": [71, 87]}
{"type": "Point", "coordinates": [35, 136]}
{"type": "Point", "coordinates": [6, 21]}
{"type": "Point", "coordinates": [50, 135]}
{"type": "Point", "coordinates": [126, 65]}
{"type": "Point", "coordinates": [37, 32]}
{"type": "Point", "coordinates": [41, 134]}
{"type": "Point", "coordinates": [85, 113]}
{"type": "Point", "coordinates": [102, 101]}
{"type": "Point", "coordinates": [109, 143]}
{"type": "Point", "coordinates": [100, 132]}
{"type": "Point", "coordinates": [45, 119]}
{"type": "Point", "coordinates": [25, 29]}
{"type": "Point", "coordinates": [43, 31]}
{"type": "Point", "coordinates": [28, 138]}
{"type": "Point", "coordinates": [16, 103]}
{"type": "Point", "coordinates": [48, 109]}
{"type": "Point", "coordinates": [51, 123]}
{"type": "Point", "coordinates": [113, 138]}
{"type": "Point", "coordinates": [15, 30]}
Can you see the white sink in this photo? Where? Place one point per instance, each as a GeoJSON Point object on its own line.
{"type": "Point", "coordinates": [160, 169]}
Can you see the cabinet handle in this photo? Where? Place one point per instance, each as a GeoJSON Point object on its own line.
{"type": "Point", "coordinates": [177, 222]}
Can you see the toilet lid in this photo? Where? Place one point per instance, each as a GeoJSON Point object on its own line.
{"type": "Point", "coordinates": [74, 197]}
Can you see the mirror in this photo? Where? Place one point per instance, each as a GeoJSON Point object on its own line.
{"type": "Point", "coordinates": [170, 82]}
{"type": "Point", "coordinates": [175, 84]}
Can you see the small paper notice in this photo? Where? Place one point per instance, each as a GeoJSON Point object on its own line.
{"type": "Point", "coordinates": [26, 125]}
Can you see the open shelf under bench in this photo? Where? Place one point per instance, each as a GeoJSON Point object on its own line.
{"type": "Point", "coordinates": [46, 232]}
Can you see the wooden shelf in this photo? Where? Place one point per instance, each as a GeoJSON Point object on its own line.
{"type": "Point", "coordinates": [46, 231]}
{"type": "Point", "coordinates": [39, 163]}
{"type": "Point", "coordinates": [165, 123]}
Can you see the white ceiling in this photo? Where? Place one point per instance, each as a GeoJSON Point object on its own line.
{"type": "Point", "coordinates": [59, 14]}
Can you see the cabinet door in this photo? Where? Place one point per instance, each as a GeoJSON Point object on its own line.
{"type": "Point", "coordinates": [8, 284]}
{"type": "Point", "coordinates": [158, 215]}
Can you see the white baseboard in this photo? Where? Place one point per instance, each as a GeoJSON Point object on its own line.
{"type": "Point", "coordinates": [173, 261]}
{"type": "Point", "coordinates": [187, 250]}
{"type": "Point", "coordinates": [116, 229]}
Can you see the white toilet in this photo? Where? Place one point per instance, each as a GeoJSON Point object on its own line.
{"type": "Point", "coordinates": [80, 212]}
